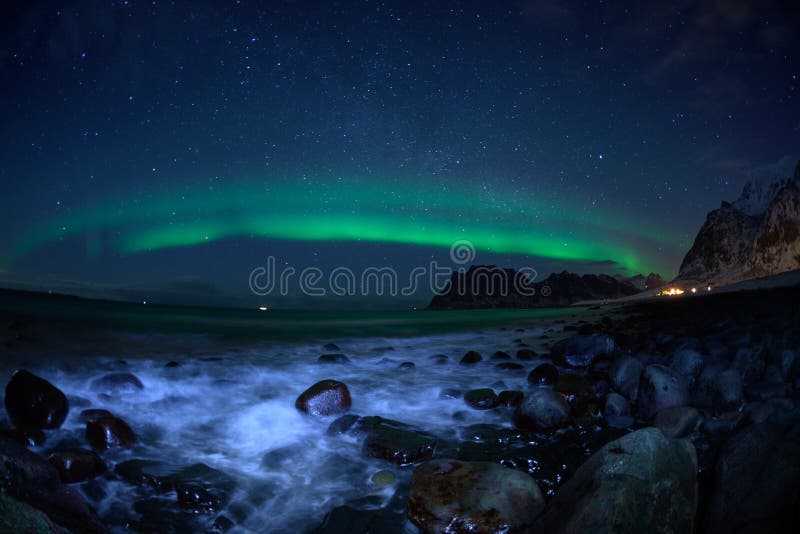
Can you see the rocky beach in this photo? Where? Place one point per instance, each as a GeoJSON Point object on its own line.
{"type": "Point", "coordinates": [674, 414]}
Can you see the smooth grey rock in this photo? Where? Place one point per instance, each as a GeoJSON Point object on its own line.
{"type": "Point", "coordinates": [641, 482]}
{"type": "Point", "coordinates": [678, 421]}
{"type": "Point", "coordinates": [542, 409]}
{"type": "Point", "coordinates": [582, 350]}
{"type": "Point", "coordinates": [756, 480]}
{"type": "Point", "coordinates": [726, 391]}
{"type": "Point", "coordinates": [616, 405]}
{"type": "Point", "coordinates": [660, 387]}
{"type": "Point", "coordinates": [624, 375]}
{"type": "Point", "coordinates": [689, 364]}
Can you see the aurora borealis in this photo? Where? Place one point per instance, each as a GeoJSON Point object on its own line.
{"type": "Point", "coordinates": [358, 211]}
{"type": "Point", "coordinates": [150, 143]}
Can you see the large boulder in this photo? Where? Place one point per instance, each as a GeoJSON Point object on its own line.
{"type": "Point", "coordinates": [726, 391]}
{"type": "Point", "coordinates": [660, 387]}
{"type": "Point", "coordinates": [678, 421]}
{"type": "Point", "coordinates": [616, 405]}
{"type": "Point", "coordinates": [33, 402]}
{"type": "Point", "coordinates": [198, 487]}
{"type": "Point", "coordinates": [77, 465]}
{"type": "Point", "coordinates": [122, 382]}
{"type": "Point", "coordinates": [387, 439]}
{"type": "Point", "coordinates": [756, 480]}
{"type": "Point", "coordinates": [475, 497]}
{"type": "Point", "coordinates": [545, 374]}
{"type": "Point", "coordinates": [28, 478]}
{"type": "Point", "coordinates": [510, 398]}
{"type": "Point", "coordinates": [641, 482]}
{"type": "Point", "coordinates": [109, 433]}
{"type": "Point", "coordinates": [624, 375]}
{"type": "Point", "coordinates": [471, 357]}
{"type": "Point", "coordinates": [398, 443]}
{"type": "Point", "coordinates": [582, 350]}
{"type": "Point", "coordinates": [749, 363]}
{"type": "Point", "coordinates": [481, 399]}
{"type": "Point", "coordinates": [202, 489]}
{"type": "Point", "coordinates": [333, 358]}
{"type": "Point", "coordinates": [326, 397]}
{"type": "Point", "coordinates": [542, 409]}
{"type": "Point", "coordinates": [689, 364]}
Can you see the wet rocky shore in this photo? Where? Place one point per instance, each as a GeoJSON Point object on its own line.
{"type": "Point", "coordinates": [674, 416]}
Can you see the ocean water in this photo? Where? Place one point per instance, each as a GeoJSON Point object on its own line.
{"type": "Point", "coordinates": [230, 409]}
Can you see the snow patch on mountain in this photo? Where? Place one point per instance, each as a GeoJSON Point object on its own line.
{"type": "Point", "coordinates": [757, 235]}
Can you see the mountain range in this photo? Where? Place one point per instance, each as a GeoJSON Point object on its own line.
{"type": "Point", "coordinates": [488, 286]}
{"type": "Point", "coordinates": [756, 235]}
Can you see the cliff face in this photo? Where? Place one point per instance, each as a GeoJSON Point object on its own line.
{"type": "Point", "coordinates": [494, 287]}
{"type": "Point", "coordinates": [757, 235]}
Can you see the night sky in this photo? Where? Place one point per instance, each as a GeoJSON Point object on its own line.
{"type": "Point", "coordinates": [163, 150]}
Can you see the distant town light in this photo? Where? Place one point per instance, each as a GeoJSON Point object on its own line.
{"type": "Point", "coordinates": [262, 308]}
{"type": "Point", "coordinates": [694, 290]}
{"type": "Point", "coordinates": [671, 292]}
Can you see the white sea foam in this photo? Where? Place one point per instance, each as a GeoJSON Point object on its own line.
{"type": "Point", "coordinates": [229, 412]}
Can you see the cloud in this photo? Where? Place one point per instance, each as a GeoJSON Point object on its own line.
{"type": "Point", "coordinates": [709, 30]}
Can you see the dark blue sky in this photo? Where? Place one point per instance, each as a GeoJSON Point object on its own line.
{"type": "Point", "coordinates": [145, 143]}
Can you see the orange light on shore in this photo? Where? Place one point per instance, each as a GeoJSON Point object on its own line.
{"type": "Point", "coordinates": [671, 292]}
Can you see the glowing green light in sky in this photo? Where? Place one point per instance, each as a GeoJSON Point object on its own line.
{"type": "Point", "coordinates": [495, 221]}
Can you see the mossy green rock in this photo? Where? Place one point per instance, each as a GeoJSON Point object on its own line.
{"type": "Point", "coordinates": [384, 478]}
{"type": "Point", "coordinates": [475, 497]}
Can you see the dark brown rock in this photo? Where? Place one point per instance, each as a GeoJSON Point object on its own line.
{"type": "Point", "coordinates": [30, 437]}
{"type": "Point", "coordinates": [526, 354]}
{"type": "Point", "coordinates": [475, 497]}
{"type": "Point", "coordinates": [510, 398]}
{"type": "Point", "coordinates": [33, 402]}
{"type": "Point", "coordinates": [77, 465]}
{"type": "Point", "coordinates": [93, 413]}
{"type": "Point", "coordinates": [542, 409]}
{"type": "Point", "coordinates": [118, 382]}
{"type": "Point", "coordinates": [545, 374]}
{"type": "Point", "coordinates": [326, 397]}
{"type": "Point", "coordinates": [471, 357]}
{"type": "Point", "coordinates": [108, 433]}
{"type": "Point", "coordinates": [29, 478]}
{"type": "Point", "coordinates": [333, 358]}
{"type": "Point", "coordinates": [393, 441]}
{"type": "Point", "coordinates": [481, 399]}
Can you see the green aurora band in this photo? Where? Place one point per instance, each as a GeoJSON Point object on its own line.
{"type": "Point", "coordinates": [494, 221]}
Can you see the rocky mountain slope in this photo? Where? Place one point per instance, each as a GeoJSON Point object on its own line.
{"type": "Point", "coordinates": [757, 235]}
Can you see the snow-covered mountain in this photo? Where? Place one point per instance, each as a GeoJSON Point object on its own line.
{"type": "Point", "coordinates": [757, 235]}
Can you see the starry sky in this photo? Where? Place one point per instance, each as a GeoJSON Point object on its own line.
{"type": "Point", "coordinates": [163, 150]}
